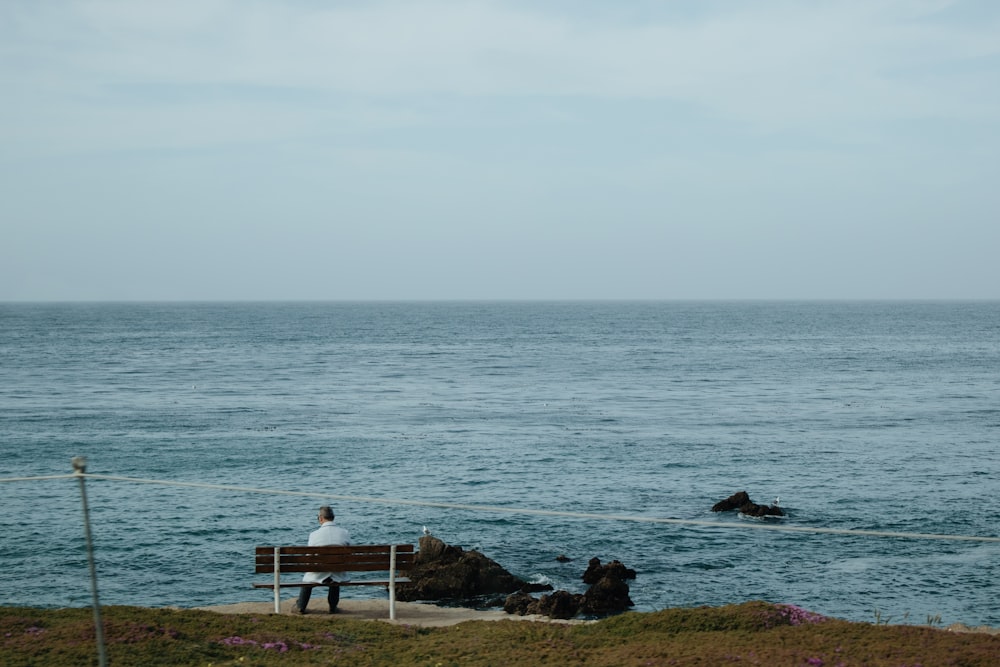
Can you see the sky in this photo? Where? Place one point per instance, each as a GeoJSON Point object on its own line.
{"type": "Point", "coordinates": [204, 150]}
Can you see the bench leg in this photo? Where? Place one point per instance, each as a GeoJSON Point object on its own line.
{"type": "Point", "coordinates": [392, 583]}
{"type": "Point", "coordinates": [277, 580]}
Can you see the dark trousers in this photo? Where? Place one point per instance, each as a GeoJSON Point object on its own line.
{"type": "Point", "coordinates": [332, 595]}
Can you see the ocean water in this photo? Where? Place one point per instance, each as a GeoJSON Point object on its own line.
{"type": "Point", "coordinates": [871, 415]}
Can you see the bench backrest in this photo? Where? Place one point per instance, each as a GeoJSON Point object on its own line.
{"type": "Point", "coordinates": [354, 558]}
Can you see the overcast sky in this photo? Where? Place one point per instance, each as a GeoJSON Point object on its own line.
{"type": "Point", "coordinates": [505, 149]}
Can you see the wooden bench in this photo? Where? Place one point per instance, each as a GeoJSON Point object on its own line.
{"type": "Point", "coordinates": [390, 558]}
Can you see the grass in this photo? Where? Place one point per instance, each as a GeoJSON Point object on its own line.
{"type": "Point", "coordinates": [754, 633]}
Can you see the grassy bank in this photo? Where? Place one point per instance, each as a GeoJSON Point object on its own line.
{"type": "Point", "coordinates": [754, 633]}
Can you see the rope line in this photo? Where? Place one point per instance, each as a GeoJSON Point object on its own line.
{"type": "Point", "coordinates": [528, 511]}
{"type": "Point", "coordinates": [32, 479]}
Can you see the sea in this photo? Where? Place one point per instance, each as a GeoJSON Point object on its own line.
{"type": "Point", "coordinates": [528, 431]}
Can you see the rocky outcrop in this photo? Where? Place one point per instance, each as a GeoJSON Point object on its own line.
{"type": "Point", "coordinates": [595, 571]}
{"type": "Point", "coordinates": [733, 502]}
{"type": "Point", "coordinates": [753, 509]}
{"type": "Point", "coordinates": [445, 572]}
{"type": "Point", "coordinates": [608, 594]}
{"type": "Point", "coordinates": [519, 603]}
{"type": "Point", "coordinates": [741, 501]}
{"type": "Point", "coordinates": [560, 604]}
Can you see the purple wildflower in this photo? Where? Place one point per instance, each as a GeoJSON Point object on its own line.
{"type": "Point", "coordinates": [280, 647]}
{"type": "Point", "coordinates": [238, 641]}
{"type": "Point", "coordinates": [798, 615]}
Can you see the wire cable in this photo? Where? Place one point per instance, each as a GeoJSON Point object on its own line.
{"type": "Point", "coordinates": [526, 511]}
{"type": "Point", "coordinates": [33, 479]}
{"type": "Point", "coordinates": [555, 513]}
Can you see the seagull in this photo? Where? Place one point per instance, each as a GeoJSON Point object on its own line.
{"type": "Point", "coordinates": [777, 500]}
{"type": "Point", "coordinates": [426, 531]}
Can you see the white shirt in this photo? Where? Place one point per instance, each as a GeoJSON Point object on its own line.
{"type": "Point", "coordinates": [327, 535]}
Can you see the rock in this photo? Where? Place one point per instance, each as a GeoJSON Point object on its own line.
{"type": "Point", "coordinates": [607, 596]}
{"type": "Point", "coordinates": [445, 572]}
{"type": "Point", "coordinates": [753, 509]}
{"type": "Point", "coordinates": [733, 502]}
{"type": "Point", "coordinates": [595, 571]}
{"type": "Point", "coordinates": [563, 558]}
{"type": "Point", "coordinates": [432, 550]}
{"type": "Point", "coordinates": [608, 592]}
{"type": "Point", "coordinates": [741, 501]}
{"type": "Point", "coordinates": [560, 604]}
{"type": "Point", "coordinates": [518, 603]}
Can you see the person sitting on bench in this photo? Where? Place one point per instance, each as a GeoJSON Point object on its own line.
{"type": "Point", "coordinates": [326, 535]}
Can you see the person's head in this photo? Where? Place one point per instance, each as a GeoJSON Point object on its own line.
{"type": "Point", "coordinates": [326, 513]}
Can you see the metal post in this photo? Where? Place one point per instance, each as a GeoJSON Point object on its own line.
{"type": "Point", "coordinates": [277, 580]}
{"type": "Point", "coordinates": [79, 468]}
{"type": "Point", "coordinates": [392, 583]}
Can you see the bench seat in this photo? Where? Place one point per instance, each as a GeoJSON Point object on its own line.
{"type": "Point", "coordinates": [349, 582]}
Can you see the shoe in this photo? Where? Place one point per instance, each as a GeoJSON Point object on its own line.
{"type": "Point", "coordinates": [297, 610]}
{"type": "Point", "coordinates": [334, 611]}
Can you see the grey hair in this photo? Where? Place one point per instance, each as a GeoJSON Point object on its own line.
{"type": "Point", "coordinates": [326, 512]}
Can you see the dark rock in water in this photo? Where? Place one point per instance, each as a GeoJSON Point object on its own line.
{"type": "Point", "coordinates": [608, 592]}
{"type": "Point", "coordinates": [741, 501]}
{"type": "Point", "coordinates": [607, 596]}
{"type": "Point", "coordinates": [595, 571]}
{"type": "Point", "coordinates": [445, 572]}
{"type": "Point", "coordinates": [733, 502]}
{"type": "Point", "coordinates": [432, 550]}
{"type": "Point", "coordinates": [753, 509]}
{"type": "Point", "coordinates": [563, 558]}
{"type": "Point", "coordinates": [560, 604]}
